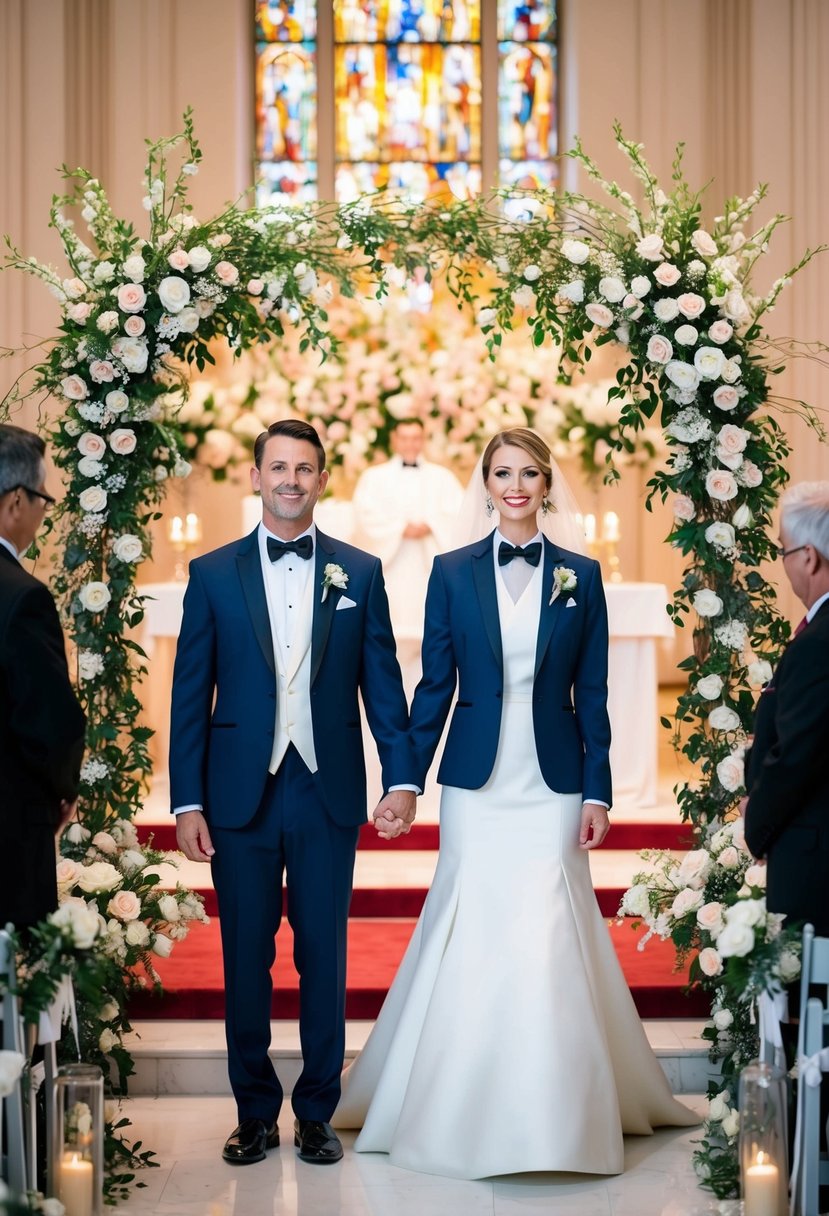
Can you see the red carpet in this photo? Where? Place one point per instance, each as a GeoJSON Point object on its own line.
{"type": "Point", "coordinates": [193, 976]}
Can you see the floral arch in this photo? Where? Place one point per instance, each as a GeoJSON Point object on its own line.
{"type": "Point", "coordinates": [138, 311]}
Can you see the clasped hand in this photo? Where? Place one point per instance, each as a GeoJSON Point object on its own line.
{"type": "Point", "coordinates": [394, 813]}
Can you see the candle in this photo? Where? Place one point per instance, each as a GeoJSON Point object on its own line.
{"type": "Point", "coordinates": [761, 1187]}
{"type": "Point", "coordinates": [610, 526]}
{"type": "Point", "coordinates": [590, 529]}
{"type": "Point", "coordinates": [176, 528]}
{"type": "Point", "coordinates": [75, 1185]}
{"type": "Point", "coordinates": [192, 527]}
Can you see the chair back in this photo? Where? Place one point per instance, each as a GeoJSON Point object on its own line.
{"type": "Point", "coordinates": [811, 1167]}
{"type": "Point", "coordinates": [14, 1170]}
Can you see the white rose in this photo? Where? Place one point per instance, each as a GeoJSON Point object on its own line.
{"type": "Point", "coordinates": [174, 293]}
{"type": "Point", "coordinates": [742, 517]}
{"type": "Point", "coordinates": [723, 1018]}
{"type": "Point", "coordinates": [732, 438]}
{"type": "Point", "coordinates": [573, 291]}
{"type": "Point", "coordinates": [731, 371]}
{"type": "Point", "coordinates": [107, 321]}
{"type": "Point", "coordinates": [731, 1124]}
{"type": "Point", "coordinates": [199, 257]}
{"type": "Point", "coordinates": [92, 445]}
{"type": "Point", "coordinates": [98, 876]}
{"type": "Point", "coordinates": [123, 441]}
{"type": "Point", "coordinates": [686, 335]}
{"type": "Point", "coordinates": [686, 901]}
{"type": "Point", "coordinates": [640, 286]}
{"type": "Point", "coordinates": [599, 314]}
{"type": "Point", "coordinates": [523, 296]}
{"type": "Point", "coordinates": [660, 349]}
{"type": "Point", "coordinates": [710, 687]}
{"type": "Point", "coordinates": [721, 535]}
{"type": "Point", "coordinates": [137, 934]}
{"type": "Point", "coordinates": [735, 939]}
{"type": "Point", "coordinates": [117, 401]}
{"type": "Point", "coordinates": [90, 665]}
{"type": "Point", "coordinates": [188, 320]}
{"type": "Point", "coordinates": [532, 273]}
{"type": "Point", "coordinates": [666, 310]}
{"type": "Point", "coordinates": [93, 498]}
{"type": "Point", "coordinates": [94, 596]}
{"type": "Point", "coordinates": [128, 548]}
{"type": "Point", "coordinates": [178, 260]}
{"type": "Point", "coordinates": [575, 251]}
{"type": "Point", "coordinates": [635, 901]}
{"type": "Point", "coordinates": [79, 313]}
{"type": "Point", "coordinates": [162, 945]}
{"type": "Point", "coordinates": [227, 274]}
{"type": "Point", "coordinates": [694, 868]}
{"type": "Point", "coordinates": [683, 375]}
{"type": "Point", "coordinates": [135, 268]}
{"type": "Point", "coordinates": [104, 843]}
{"type": "Point", "coordinates": [723, 718]}
{"type": "Point", "coordinates": [168, 908]}
{"type": "Point", "coordinates": [709, 362]}
{"type": "Point", "coordinates": [755, 876]}
{"type": "Point", "coordinates": [759, 673]}
{"type": "Point", "coordinates": [650, 247]}
{"type": "Point", "coordinates": [734, 307]}
{"type": "Point", "coordinates": [76, 833]}
{"type": "Point", "coordinates": [707, 602]}
{"type": "Point", "coordinates": [666, 275]}
{"type": "Point", "coordinates": [101, 371]}
{"type": "Point", "coordinates": [612, 288]}
{"type": "Point", "coordinates": [710, 964]}
{"type": "Point", "coordinates": [107, 1040]}
{"type": "Point", "coordinates": [108, 1011]}
{"type": "Point", "coordinates": [720, 332]}
{"type": "Point", "coordinates": [125, 905]}
{"type": "Point", "coordinates": [788, 966]}
{"type": "Point", "coordinates": [746, 912]}
{"type": "Point", "coordinates": [721, 485]}
{"type": "Point", "coordinates": [691, 305]}
{"type": "Point", "coordinates": [731, 773]}
{"type": "Point", "coordinates": [684, 508]}
{"type": "Point", "coordinates": [703, 243]}
{"type": "Point", "coordinates": [82, 923]}
{"type": "Point", "coordinates": [132, 352]}
{"type": "Point", "coordinates": [131, 297]}
{"type": "Point", "coordinates": [74, 288]}
{"type": "Point", "coordinates": [729, 858]}
{"type": "Point", "coordinates": [74, 388]}
{"type": "Point", "coordinates": [710, 917]}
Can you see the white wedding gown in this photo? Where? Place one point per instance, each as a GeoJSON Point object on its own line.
{"type": "Point", "coordinates": [509, 1041]}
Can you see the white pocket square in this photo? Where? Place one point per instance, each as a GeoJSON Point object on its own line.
{"type": "Point", "coordinates": [571, 603]}
{"type": "Point", "coordinates": [345, 602]}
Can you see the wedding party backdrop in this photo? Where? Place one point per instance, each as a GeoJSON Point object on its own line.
{"type": "Point", "coordinates": [139, 309]}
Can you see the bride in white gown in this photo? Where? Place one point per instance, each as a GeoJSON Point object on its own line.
{"type": "Point", "coordinates": [509, 1041]}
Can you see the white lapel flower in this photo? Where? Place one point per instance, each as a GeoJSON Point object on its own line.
{"type": "Point", "coordinates": [333, 576]}
{"type": "Point", "coordinates": [564, 579]}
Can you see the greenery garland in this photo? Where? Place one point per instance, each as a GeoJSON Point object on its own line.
{"type": "Point", "coordinates": [137, 311]}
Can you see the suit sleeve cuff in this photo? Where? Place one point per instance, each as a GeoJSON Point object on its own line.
{"type": "Point", "coordinates": [180, 810]}
{"type": "Point", "coordinates": [415, 789]}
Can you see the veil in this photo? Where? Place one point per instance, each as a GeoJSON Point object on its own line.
{"type": "Point", "coordinates": [563, 525]}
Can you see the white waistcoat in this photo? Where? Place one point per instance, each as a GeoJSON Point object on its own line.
{"type": "Point", "coordinates": [293, 688]}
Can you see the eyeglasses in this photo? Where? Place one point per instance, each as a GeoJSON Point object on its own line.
{"type": "Point", "coordinates": [781, 552]}
{"type": "Point", "coordinates": [47, 498]}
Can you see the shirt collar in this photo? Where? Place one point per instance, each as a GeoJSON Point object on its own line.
{"type": "Point", "coordinates": [264, 533]}
{"type": "Point", "coordinates": [8, 545]}
{"type": "Point", "coordinates": [815, 608]}
{"type": "Point", "coordinates": [498, 536]}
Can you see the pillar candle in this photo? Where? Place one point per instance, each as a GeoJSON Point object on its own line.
{"type": "Point", "coordinates": [76, 1181]}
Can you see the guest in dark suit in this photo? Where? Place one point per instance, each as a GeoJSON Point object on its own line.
{"type": "Point", "coordinates": [284, 628]}
{"type": "Point", "coordinates": [787, 775]}
{"type": "Point", "coordinates": [41, 722]}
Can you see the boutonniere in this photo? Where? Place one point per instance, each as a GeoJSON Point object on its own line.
{"type": "Point", "coordinates": [564, 579]}
{"type": "Point", "coordinates": [333, 576]}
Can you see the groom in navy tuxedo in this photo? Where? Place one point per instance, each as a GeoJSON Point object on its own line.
{"type": "Point", "coordinates": [281, 631]}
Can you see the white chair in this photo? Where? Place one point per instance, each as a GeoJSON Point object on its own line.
{"type": "Point", "coordinates": [811, 1167]}
{"type": "Point", "coordinates": [14, 1172]}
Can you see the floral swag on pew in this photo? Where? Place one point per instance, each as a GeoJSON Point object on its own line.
{"type": "Point", "coordinates": [139, 310]}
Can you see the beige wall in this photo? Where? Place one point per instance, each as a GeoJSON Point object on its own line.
{"type": "Point", "coordinates": [743, 83]}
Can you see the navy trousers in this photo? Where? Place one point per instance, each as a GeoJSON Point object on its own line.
{"type": "Point", "coordinates": [293, 834]}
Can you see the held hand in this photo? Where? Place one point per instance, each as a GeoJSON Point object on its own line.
{"type": "Point", "coordinates": [193, 837]}
{"type": "Point", "coordinates": [593, 817]}
{"type": "Point", "coordinates": [394, 813]}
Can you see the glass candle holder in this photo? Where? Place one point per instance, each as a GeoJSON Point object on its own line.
{"type": "Point", "coordinates": [764, 1174]}
{"type": "Point", "coordinates": [77, 1160]}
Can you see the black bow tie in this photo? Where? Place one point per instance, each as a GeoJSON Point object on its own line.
{"type": "Point", "coordinates": [410, 464]}
{"type": "Point", "coordinates": [304, 547]}
{"type": "Point", "coordinates": [530, 553]}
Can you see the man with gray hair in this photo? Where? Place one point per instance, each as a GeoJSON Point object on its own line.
{"type": "Point", "coordinates": [41, 721]}
{"type": "Point", "coordinates": [787, 775]}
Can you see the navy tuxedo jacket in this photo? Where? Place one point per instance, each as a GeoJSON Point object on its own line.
{"type": "Point", "coordinates": [787, 779]}
{"type": "Point", "coordinates": [462, 643]}
{"type": "Point", "coordinates": [219, 753]}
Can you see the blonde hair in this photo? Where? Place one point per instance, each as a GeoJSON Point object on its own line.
{"type": "Point", "coordinates": [519, 437]}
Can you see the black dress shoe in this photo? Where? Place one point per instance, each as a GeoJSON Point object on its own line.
{"type": "Point", "coordinates": [249, 1142]}
{"type": "Point", "coordinates": [317, 1142]}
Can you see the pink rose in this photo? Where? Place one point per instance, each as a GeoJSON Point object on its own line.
{"type": "Point", "coordinates": [125, 905]}
{"type": "Point", "coordinates": [255, 287]}
{"type": "Point", "coordinates": [732, 438]}
{"type": "Point", "coordinates": [660, 349]}
{"type": "Point", "coordinates": [226, 273]}
{"type": "Point", "coordinates": [750, 475]}
{"type": "Point", "coordinates": [134, 326]}
{"type": "Point", "coordinates": [79, 313]}
{"type": "Point", "coordinates": [122, 441]}
{"type": "Point", "coordinates": [599, 314]}
{"type": "Point", "coordinates": [709, 917]}
{"type": "Point", "coordinates": [710, 962]}
{"type": "Point", "coordinates": [684, 508]}
{"type": "Point", "coordinates": [729, 858]}
{"type": "Point", "coordinates": [726, 397]}
{"type": "Point", "coordinates": [721, 485]}
{"type": "Point", "coordinates": [101, 371]}
{"type": "Point", "coordinates": [650, 247]}
{"type": "Point", "coordinates": [633, 306]}
{"type": "Point", "coordinates": [704, 243]}
{"type": "Point", "coordinates": [666, 274]}
{"type": "Point", "coordinates": [179, 260]}
{"type": "Point", "coordinates": [691, 305]}
{"type": "Point", "coordinates": [74, 388]}
{"type": "Point", "coordinates": [720, 332]}
{"type": "Point", "coordinates": [131, 297]}
{"type": "Point", "coordinates": [92, 445]}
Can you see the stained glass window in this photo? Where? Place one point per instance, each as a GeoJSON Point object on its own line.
{"type": "Point", "coordinates": [404, 108]}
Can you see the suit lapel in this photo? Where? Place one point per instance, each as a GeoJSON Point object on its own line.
{"type": "Point", "coordinates": [550, 613]}
{"type": "Point", "coordinates": [249, 565]}
{"type": "Point", "coordinates": [323, 611]}
{"type": "Point", "coordinates": [483, 575]}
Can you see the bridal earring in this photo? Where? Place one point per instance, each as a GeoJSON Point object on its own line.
{"type": "Point", "coordinates": [546, 506]}
{"type": "Point", "coordinates": [489, 504]}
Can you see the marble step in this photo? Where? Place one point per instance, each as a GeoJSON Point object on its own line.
{"type": "Point", "coordinates": [190, 1058]}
